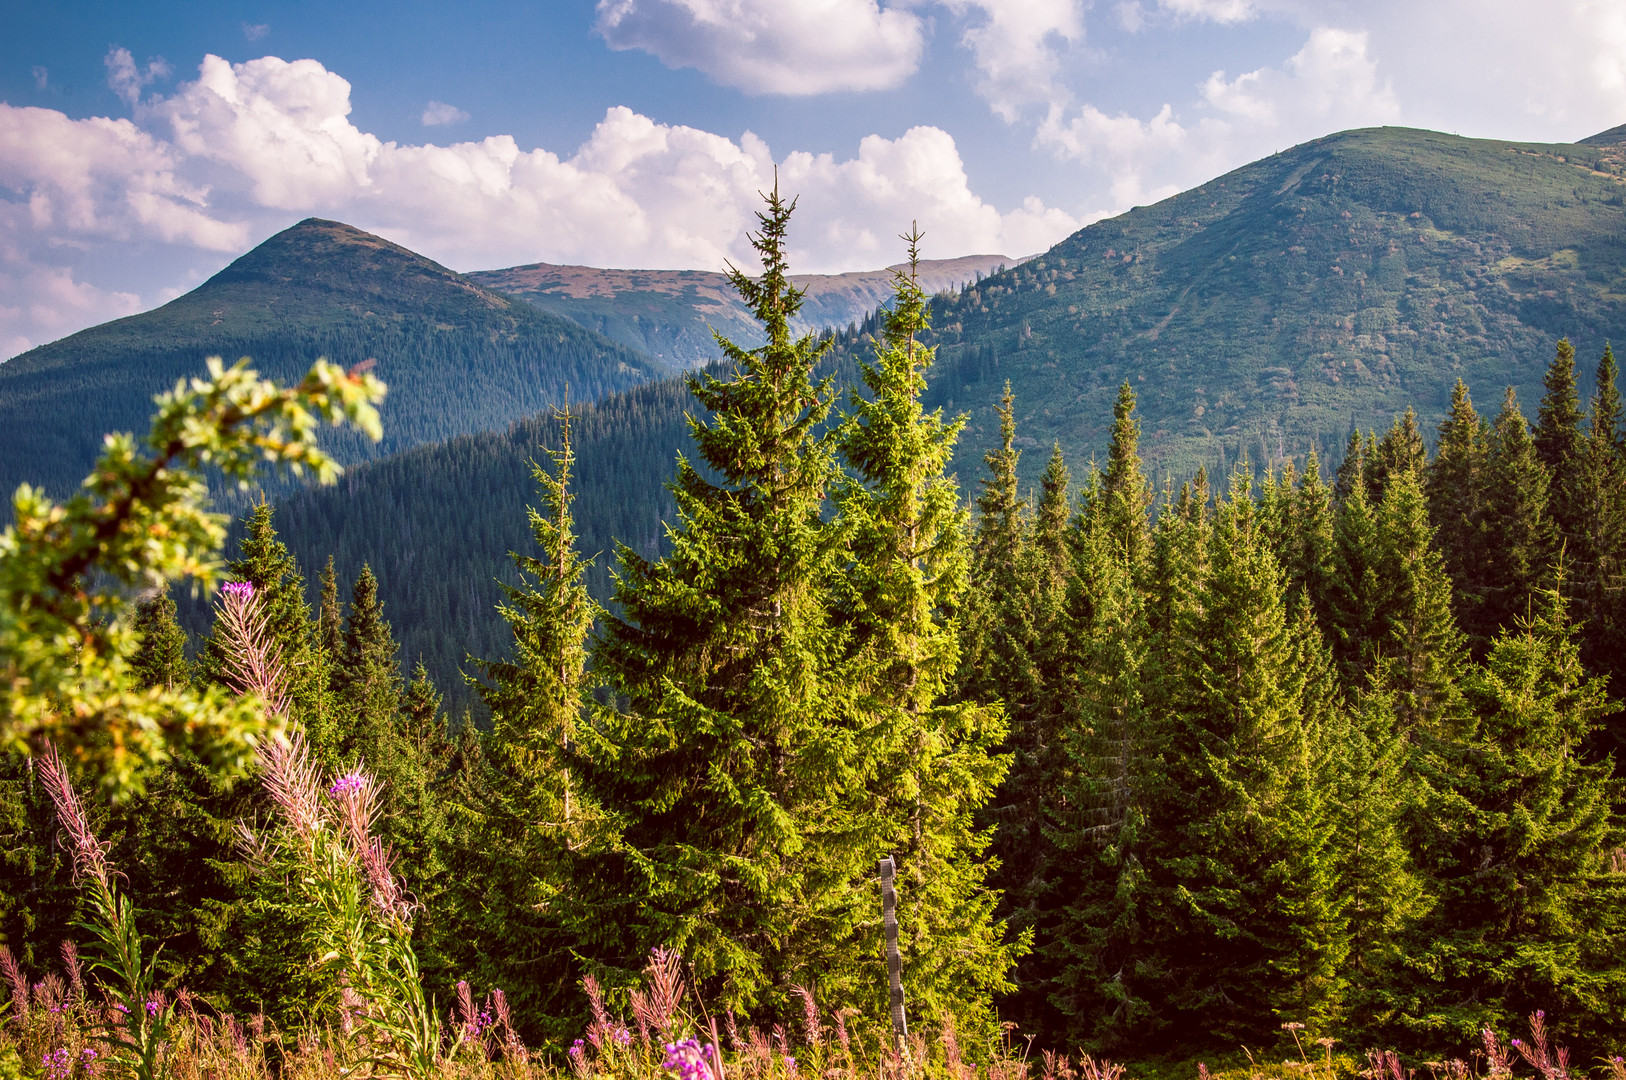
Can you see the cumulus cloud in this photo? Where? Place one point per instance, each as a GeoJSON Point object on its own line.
{"type": "Point", "coordinates": [1331, 83]}
{"type": "Point", "coordinates": [247, 148]}
{"type": "Point", "coordinates": [438, 113]}
{"type": "Point", "coordinates": [1018, 47]}
{"type": "Point", "coordinates": [126, 79]}
{"type": "Point", "coordinates": [772, 47]}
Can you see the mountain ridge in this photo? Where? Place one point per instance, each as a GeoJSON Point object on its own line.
{"type": "Point", "coordinates": [670, 314]}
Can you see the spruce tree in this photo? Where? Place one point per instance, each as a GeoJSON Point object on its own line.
{"type": "Point", "coordinates": [1560, 445]}
{"type": "Point", "coordinates": [1250, 931]}
{"type": "Point", "coordinates": [1416, 639]}
{"type": "Point", "coordinates": [1307, 557]}
{"type": "Point", "coordinates": [1456, 481]}
{"type": "Point", "coordinates": [1359, 589]}
{"type": "Point", "coordinates": [1600, 556]}
{"type": "Point", "coordinates": [1518, 545]}
{"type": "Point", "coordinates": [908, 570]}
{"type": "Point", "coordinates": [1125, 495]}
{"type": "Point", "coordinates": [1516, 838]}
{"type": "Point", "coordinates": [1000, 631]}
{"type": "Point", "coordinates": [1091, 946]}
{"type": "Point", "coordinates": [1400, 451]}
{"type": "Point", "coordinates": [724, 758]}
{"type": "Point", "coordinates": [1369, 794]}
{"type": "Point", "coordinates": [160, 659]}
{"type": "Point", "coordinates": [530, 817]}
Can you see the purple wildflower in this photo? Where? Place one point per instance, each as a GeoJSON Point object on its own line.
{"type": "Point", "coordinates": [238, 589]}
{"type": "Point", "coordinates": [152, 1008]}
{"type": "Point", "coordinates": [689, 1060]}
{"type": "Point", "coordinates": [350, 782]}
{"type": "Point", "coordinates": [622, 1037]}
{"type": "Point", "coordinates": [790, 1065]}
{"type": "Point", "coordinates": [57, 1065]}
{"type": "Point", "coordinates": [576, 1048]}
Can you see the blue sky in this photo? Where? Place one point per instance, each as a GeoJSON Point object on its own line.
{"type": "Point", "coordinates": [142, 147]}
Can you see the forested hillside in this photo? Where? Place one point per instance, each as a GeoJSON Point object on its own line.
{"type": "Point", "coordinates": [1327, 287]}
{"type": "Point", "coordinates": [457, 357]}
{"type": "Point", "coordinates": [670, 314]}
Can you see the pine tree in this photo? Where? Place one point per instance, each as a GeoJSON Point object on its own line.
{"type": "Point", "coordinates": [1356, 454]}
{"type": "Point", "coordinates": [1415, 640]}
{"type": "Point", "coordinates": [724, 758]}
{"type": "Point", "coordinates": [369, 680]}
{"type": "Point", "coordinates": [908, 572]}
{"type": "Point", "coordinates": [1125, 495]}
{"type": "Point", "coordinates": [330, 615]}
{"type": "Point", "coordinates": [1517, 544]}
{"type": "Point", "coordinates": [1516, 838]}
{"type": "Point", "coordinates": [1369, 798]}
{"type": "Point", "coordinates": [1249, 929]}
{"type": "Point", "coordinates": [1000, 634]}
{"type": "Point", "coordinates": [160, 659]}
{"type": "Point", "coordinates": [530, 815]}
{"type": "Point", "coordinates": [1559, 444]}
{"type": "Point", "coordinates": [1456, 480]}
{"type": "Point", "coordinates": [1359, 589]}
{"type": "Point", "coordinates": [1600, 549]}
{"type": "Point", "coordinates": [1400, 451]}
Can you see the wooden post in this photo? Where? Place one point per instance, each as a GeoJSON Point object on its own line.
{"type": "Point", "coordinates": [894, 962]}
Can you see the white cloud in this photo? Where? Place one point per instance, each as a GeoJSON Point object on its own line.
{"type": "Point", "coordinates": [438, 113]}
{"type": "Point", "coordinates": [248, 148]}
{"type": "Point", "coordinates": [1331, 83]}
{"type": "Point", "coordinates": [256, 31]}
{"type": "Point", "coordinates": [1017, 46]}
{"type": "Point", "coordinates": [126, 79]}
{"type": "Point", "coordinates": [41, 76]}
{"type": "Point", "coordinates": [770, 46]}
{"type": "Point", "coordinates": [1220, 11]}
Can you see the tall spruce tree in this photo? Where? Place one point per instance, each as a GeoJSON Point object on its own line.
{"type": "Point", "coordinates": [1456, 481]}
{"type": "Point", "coordinates": [725, 759]}
{"type": "Point", "coordinates": [1600, 556]}
{"type": "Point", "coordinates": [1560, 446]}
{"type": "Point", "coordinates": [529, 817]}
{"type": "Point", "coordinates": [1518, 545]}
{"type": "Point", "coordinates": [908, 571]}
{"type": "Point", "coordinates": [1516, 837]}
{"type": "Point", "coordinates": [1400, 451]}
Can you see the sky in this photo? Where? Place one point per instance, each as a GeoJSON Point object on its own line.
{"type": "Point", "coordinates": [145, 146]}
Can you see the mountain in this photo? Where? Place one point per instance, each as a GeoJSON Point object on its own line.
{"type": "Point", "coordinates": [457, 357]}
{"type": "Point", "coordinates": [669, 314]}
{"type": "Point", "coordinates": [1328, 286]}
{"type": "Point", "coordinates": [1258, 315]}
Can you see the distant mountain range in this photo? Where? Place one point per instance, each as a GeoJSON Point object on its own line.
{"type": "Point", "coordinates": [670, 314]}
{"type": "Point", "coordinates": [457, 357]}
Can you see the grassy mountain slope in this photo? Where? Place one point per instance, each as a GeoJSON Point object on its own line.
{"type": "Point", "coordinates": [457, 357]}
{"type": "Point", "coordinates": [669, 314]}
{"type": "Point", "coordinates": [1332, 284]}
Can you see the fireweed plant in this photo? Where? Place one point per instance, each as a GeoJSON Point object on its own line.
{"type": "Point", "coordinates": [136, 1014]}
{"type": "Point", "coordinates": [355, 914]}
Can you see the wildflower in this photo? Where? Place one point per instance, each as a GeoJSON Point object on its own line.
{"type": "Point", "coordinates": [576, 1048]}
{"type": "Point", "coordinates": [122, 1008]}
{"type": "Point", "coordinates": [622, 1037]}
{"type": "Point", "coordinates": [689, 1060]}
{"type": "Point", "coordinates": [349, 782]}
{"type": "Point", "coordinates": [152, 1008]}
{"type": "Point", "coordinates": [790, 1065]}
{"type": "Point", "coordinates": [87, 1055]}
{"type": "Point", "coordinates": [57, 1065]}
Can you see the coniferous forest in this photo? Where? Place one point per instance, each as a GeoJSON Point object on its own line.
{"type": "Point", "coordinates": [1166, 772]}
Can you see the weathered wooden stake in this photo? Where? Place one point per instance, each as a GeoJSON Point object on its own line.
{"type": "Point", "coordinates": [894, 962]}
